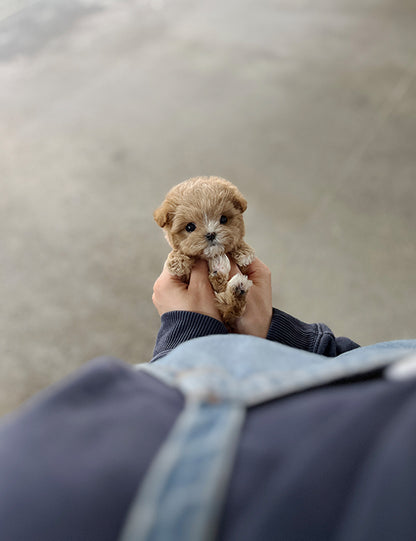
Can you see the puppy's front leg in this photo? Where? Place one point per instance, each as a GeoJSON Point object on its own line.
{"type": "Point", "coordinates": [243, 255]}
{"type": "Point", "coordinates": [180, 265]}
{"type": "Point", "coordinates": [219, 270]}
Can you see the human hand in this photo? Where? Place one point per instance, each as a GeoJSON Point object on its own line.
{"type": "Point", "coordinates": [258, 314]}
{"type": "Point", "coordinates": [170, 293]}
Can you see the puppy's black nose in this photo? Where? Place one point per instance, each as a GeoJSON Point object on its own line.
{"type": "Point", "coordinates": [211, 236]}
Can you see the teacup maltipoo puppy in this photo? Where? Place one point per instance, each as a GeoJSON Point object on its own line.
{"type": "Point", "coordinates": [202, 218]}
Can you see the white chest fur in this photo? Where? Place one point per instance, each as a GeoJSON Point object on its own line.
{"type": "Point", "coordinates": [219, 264]}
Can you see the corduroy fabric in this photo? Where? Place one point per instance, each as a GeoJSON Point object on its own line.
{"type": "Point", "coordinates": [292, 332]}
{"type": "Point", "coordinates": [313, 337]}
{"type": "Point", "coordinates": [179, 326]}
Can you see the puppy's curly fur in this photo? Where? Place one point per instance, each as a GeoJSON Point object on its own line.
{"type": "Point", "coordinates": [202, 218]}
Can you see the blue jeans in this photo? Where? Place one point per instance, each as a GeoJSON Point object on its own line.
{"type": "Point", "coordinates": [221, 376]}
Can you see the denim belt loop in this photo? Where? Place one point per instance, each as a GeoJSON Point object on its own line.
{"type": "Point", "coordinates": [182, 495]}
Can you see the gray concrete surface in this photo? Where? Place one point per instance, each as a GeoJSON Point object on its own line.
{"type": "Point", "coordinates": [308, 106]}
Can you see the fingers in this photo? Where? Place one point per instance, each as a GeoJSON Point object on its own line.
{"type": "Point", "coordinates": [234, 269]}
{"type": "Point", "coordinates": [165, 278]}
{"type": "Point", "coordinates": [257, 271]}
{"type": "Point", "coordinates": [166, 282]}
{"type": "Point", "coordinates": [199, 274]}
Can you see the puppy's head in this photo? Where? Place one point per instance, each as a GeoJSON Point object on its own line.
{"type": "Point", "coordinates": [202, 217]}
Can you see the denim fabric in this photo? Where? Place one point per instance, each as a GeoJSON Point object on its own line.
{"type": "Point", "coordinates": [251, 370]}
{"type": "Point", "coordinates": [199, 453]}
{"type": "Point", "coordinates": [221, 376]}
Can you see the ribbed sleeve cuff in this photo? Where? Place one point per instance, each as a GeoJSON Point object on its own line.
{"type": "Point", "coordinates": [292, 332]}
{"type": "Point", "coordinates": [312, 337]}
{"type": "Point", "coordinates": [179, 326]}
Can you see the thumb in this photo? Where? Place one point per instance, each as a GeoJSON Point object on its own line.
{"type": "Point", "coordinates": [199, 274]}
{"type": "Point", "coordinates": [258, 272]}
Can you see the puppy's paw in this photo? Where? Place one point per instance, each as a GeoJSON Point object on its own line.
{"type": "Point", "coordinates": [179, 265]}
{"type": "Point", "coordinates": [244, 255]}
{"type": "Point", "coordinates": [239, 285]}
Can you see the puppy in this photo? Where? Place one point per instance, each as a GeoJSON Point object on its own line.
{"type": "Point", "coordinates": [202, 218]}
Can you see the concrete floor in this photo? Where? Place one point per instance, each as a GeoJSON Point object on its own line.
{"type": "Point", "coordinates": [308, 106]}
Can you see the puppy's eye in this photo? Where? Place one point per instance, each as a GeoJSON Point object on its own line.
{"type": "Point", "coordinates": [223, 219]}
{"type": "Point", "coordinates": [190, 227]}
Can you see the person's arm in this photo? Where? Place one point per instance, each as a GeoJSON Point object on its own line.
{"type": "Point", "coordinates": [312, 337]}
{"type": "Point", "coordinates": [261, 319]}
{"type": "Point", "coordinates": [187, 310]}
{"type": "Point", "coordinates": [180, 326]}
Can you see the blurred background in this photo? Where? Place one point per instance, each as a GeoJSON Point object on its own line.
{"type": "Point", "coordinates": [308, 106]}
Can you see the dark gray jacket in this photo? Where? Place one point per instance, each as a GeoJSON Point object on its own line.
{"type": "Point", "coordinates": [332, 463]}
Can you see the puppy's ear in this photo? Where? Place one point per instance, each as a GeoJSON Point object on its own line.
{"type": "Point", "coordinates": [164, 214]}
{"type": "Point", "coordinates": [238, 201]}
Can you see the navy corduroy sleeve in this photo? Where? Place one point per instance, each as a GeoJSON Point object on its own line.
{"type": "Point", "coordinates": [180, 326]}
{"type": "Point", "coordinates": [312, 337]}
